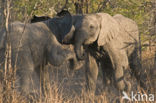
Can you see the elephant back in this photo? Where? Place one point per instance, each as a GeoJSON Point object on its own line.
{"type": "Point", "coordinates": [128, 26]}
{"type": "Point", "coordinates": [129, 32]}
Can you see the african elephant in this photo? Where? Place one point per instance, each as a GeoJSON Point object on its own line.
{"type": "Point", "coordinates": [33, 45]}
{"type": "Point", "coordinates": [132, 44]}
{"type": "Point", "coordinates": [59, 36]}
{"type": "Point", "coordinates": [116, 36]}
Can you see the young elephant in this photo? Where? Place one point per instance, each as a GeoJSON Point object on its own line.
{"type": "Point", "coordinates": [60, 36]}
{"type": "Point", "coordinates": [116, 40]}
{"type": "Point", "coordinates": [33, 45]}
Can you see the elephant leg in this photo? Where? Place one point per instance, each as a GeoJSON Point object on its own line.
{"type": "Point", "coordinates": [26, 80]}
{"type": "Point", "coordinates": [120, 64]}
{"type": "Point", "coordinates": [25, 73]}
{"type": "Point", "coordinates": [107, 69]}
{"type": "Point", "coordinates": [91, 73]}
{"type": "Point", "coordinates": [137, 70]}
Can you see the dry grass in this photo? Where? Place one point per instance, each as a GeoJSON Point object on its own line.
{"type": "Point", "coordinates": [54, 94]}
{"type": "Point", "coordinates": [67, 89]}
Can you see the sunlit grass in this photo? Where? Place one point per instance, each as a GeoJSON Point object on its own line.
{"type": "Point", "coordinates": [54, 93]}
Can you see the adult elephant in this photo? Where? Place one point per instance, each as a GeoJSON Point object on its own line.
{"type": "Point", "coordinates": [118, 38]}
{"type": "Point", "coordinates": [33, 45]}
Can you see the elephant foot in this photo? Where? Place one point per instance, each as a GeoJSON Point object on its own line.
{"type": "Point", "coordinates": [127, 80]}
{"type": "Point", "coordinates": [121, 85]}
{"type": "Point", "coordinates": [119, 76]}
{"type": "Point", "coordinates": [124, 84]}
{"type": "Point", "coordinates": [128, 86]}
{"type": "Point", "coordinates": [90, 86]}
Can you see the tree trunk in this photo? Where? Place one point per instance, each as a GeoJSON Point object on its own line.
{"type": "Point", "coordinates": [79, 6]}
{"type": "Point", "coordinates": [87, 6]}
{"type": "Point", "coordinates": [103, 6]}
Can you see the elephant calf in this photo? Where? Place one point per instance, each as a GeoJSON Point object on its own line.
{"type": "Point", "coordinates": [116, 36]}
{"type": "Point", "coordinates": [33, 45]}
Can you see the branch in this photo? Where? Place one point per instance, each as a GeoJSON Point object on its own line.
{"type": "Point", "coordinates": [103, 5]}
{"type": "Point", "coordinates": [64, 6]}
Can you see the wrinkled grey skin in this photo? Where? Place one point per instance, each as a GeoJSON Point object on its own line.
{"type": "Point", "coordinates": [33, 45]}
{"type": "Point", "coordinates": [57, 27]}
{"type": "Point", "coordinates": [116, 36]}
{"type": "Point", "coordinates": [60, 36]}
{"type": "Point", "coordinates": [132, 47]}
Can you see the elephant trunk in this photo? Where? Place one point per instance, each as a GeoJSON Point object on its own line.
{"type": "Point", "coordinates": [78, 46]}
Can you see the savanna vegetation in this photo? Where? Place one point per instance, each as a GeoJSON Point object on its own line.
{"type": "Point", "coordinates": [63, 85]}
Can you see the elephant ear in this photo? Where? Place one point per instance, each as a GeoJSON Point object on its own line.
{"type": "Point", "coordinates": [68, 39]}
{"type": "Point", "coordinates": [65, 23]}
{"type": "Point", "coordinates": [60, 26]}
{"type": "Point", "coordinates": [109, 29]}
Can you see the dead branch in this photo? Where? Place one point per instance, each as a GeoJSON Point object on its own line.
{"type": "Point", "coordinates": [103, 5]}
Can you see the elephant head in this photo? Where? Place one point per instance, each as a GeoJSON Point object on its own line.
{"type": "Point", "coordinates": [100, 27]}
{"type": "Point", "coordinates": [61, 26]}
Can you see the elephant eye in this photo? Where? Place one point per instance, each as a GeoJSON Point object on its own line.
{"type": "Point", "coordinates": [91, 26]}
